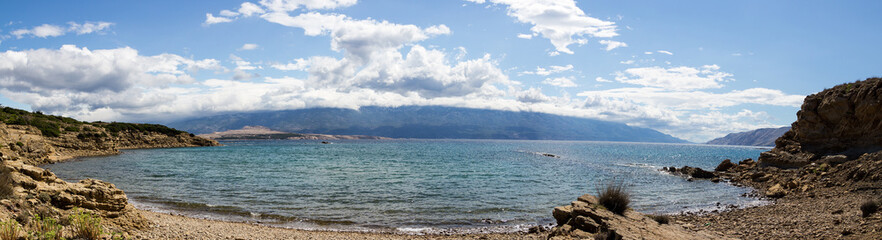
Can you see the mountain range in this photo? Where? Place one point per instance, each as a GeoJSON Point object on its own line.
{"type": "Point", "coordinates": [428, 122]}
{"type": "Point", "coordinates": [760, 137]}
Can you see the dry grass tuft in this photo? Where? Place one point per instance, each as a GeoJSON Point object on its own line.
{"type": "Point", "coordinates": [614, 197]}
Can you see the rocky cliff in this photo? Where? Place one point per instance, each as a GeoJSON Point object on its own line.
{"type": "Point", "coordinates": [29, 139]}
{"type": "Point", "coordinates": [834, 125]}
{"type": "Point", "coordinates": [758, 137]}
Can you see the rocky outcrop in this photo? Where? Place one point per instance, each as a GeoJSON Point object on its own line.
{"type": "Point", "coordinates": [35, 191]}
{"type": "Point", "coordinates": [688, 171]}
{"type": "Point", "coordinates": [585, 218]}
{"type": "Point", "coordinates": [844, 120]}
{"type": "Point", "coordinates": [32, 147]}
{"type": "Point", "coordinates": [758, 137]}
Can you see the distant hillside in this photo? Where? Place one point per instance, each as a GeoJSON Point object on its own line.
{"type": "Point", "coordinates": [261, 132]}
{"type": "Point", "coordinates": [759, 137]}
{"type": "Point", "coordinates": [429, 122]}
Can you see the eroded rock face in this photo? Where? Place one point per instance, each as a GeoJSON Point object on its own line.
{"type": "Point", "coordinates": [29, 181]}
{"type": "Point", "coordinates": [844, 120]}
{"type": "Point", "coordinates": [585, 219]}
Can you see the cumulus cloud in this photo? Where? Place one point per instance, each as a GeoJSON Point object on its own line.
{"type": "Point", "coordinates": [561, 22]}
{"type": "Point", "coordinates": [565, 82]}
{"type": "Point", "coordinates": [676, 78]}
{"type": "Point", "coordinates": [60, 78]}
{"type": "Point", "coordinates": [49, 30]}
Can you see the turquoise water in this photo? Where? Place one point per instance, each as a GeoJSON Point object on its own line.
{"type": "Point", "coordinates": [406, 185]}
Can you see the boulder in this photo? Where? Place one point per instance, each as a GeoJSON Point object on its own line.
{"type": "Point", "coordinates": [725, 165]}
{"type": "Point", "coordinates": [776, 191]}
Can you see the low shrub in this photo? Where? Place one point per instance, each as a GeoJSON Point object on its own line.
{"type": "Point", "coordinates": [615, 197]}
{"type": "Point", "coordinates": [869, 207]}
{"type": "Point", "coordinates": [9, 230]}
{"type": "Point", "coordinates": [661, 219]}
{"type": "Point", "coordinates": [43, 228]}
{"type": "Point", "coordinates": [6, 189]}
{"type": "Point", "coordinates": [86, 226]}
{"type": "Point", "coordinates": [71, 129]}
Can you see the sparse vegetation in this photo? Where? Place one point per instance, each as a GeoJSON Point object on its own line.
{"type": "Point", "coordinates": [86, 226]}
{"type": "Point", "coordinates": [869, 207]}
{"type": "Point", "coordinates": [20, 144]}
{"type": "Point", "coordinates": [615, 197]}
{"type": "Point", "coordinates": [71, 129]}
{"type": "Point", "coordinates": [116, 127]}
{"type": "Point", "coordinates": [9, 230]}
{"type": "Point", "coordinates": [49, 126]}
{"type": "Point", "coordinates": [44, 228]}
{"type": "Point", "coordinates": [6, 189]}
{"type": "Point", "coordinates": [660, 219]}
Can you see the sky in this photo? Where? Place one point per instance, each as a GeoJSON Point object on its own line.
{"type": "Point", "coordinates": [696, 70]}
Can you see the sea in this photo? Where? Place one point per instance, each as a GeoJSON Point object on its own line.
{"type": "Point", "coordinates": [409, 186]}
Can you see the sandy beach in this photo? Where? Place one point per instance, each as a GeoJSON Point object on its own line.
{"type": "Point", "coordinates": [167, 226]}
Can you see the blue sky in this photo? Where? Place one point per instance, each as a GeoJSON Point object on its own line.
{"type": "Point", "coordinates": [693, 69]}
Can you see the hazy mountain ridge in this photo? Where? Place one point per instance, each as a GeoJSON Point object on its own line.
{"type": "Point", "coordinates": [429, 122]}
{"type": "Point", "coordinates": [758, 137]}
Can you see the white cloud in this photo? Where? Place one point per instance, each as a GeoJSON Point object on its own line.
{"type": "Point", "coordinates": [211, 19]}
{"type": "Point", "coordinates": [248, 46]}
{"type": "Point", "coordinates": [291, 5]}
{"type": "Point", "coordinates": [627, 62]}
{"type": "Point", "coordinates": [525, 36]}
{"type": "Point", "coordinates": [88, 27]}
{"type": "Point", "coordinates": [248, 9]}
{"type": "Point", "coordinates": [561, 22]}
{"type": "Point", "coordinates": [610, 45]}
{"type": "Point", "coordinates": [58, 79]}
{"type": "Point", "coordinates": [43, 31]}
{"type": "Point", "coordinates": [299, 64]}
{"type": "Point", "coordinates": [548, 71]}
{"type": "Point", "coordinates": [600, 79]}
{"type": "Point", "coordinates": [665, 52]}
{"type": "Point", "coordinates": [49, 30]}
{"type": "Point", "coordinates": [676, 78]}
{"type": "Point", "coordinates": [565, 82]}
{"type": "Point", "coordinates": [532, 95]}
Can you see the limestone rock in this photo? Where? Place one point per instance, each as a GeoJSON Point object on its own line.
{"type": "Point", "coordinates": [585, 219]}
{"type": "Point", "coordinates": [843, 120]}
{"type": "Point", "coordinates": [776, 191]}
{"type": "Point", "coordinates": [690, 172]}
{"type": "Point", "coordinates": [725, 165]}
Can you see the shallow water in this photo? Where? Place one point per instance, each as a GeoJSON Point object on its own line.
{"type": "Point", "coordinates": [406, 185]}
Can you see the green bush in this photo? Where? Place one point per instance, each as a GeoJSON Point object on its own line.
{"type": "Point", "coordinates": [614, 197]}
{"type": "Point", "coordinates": [20, 144]}
{"type": "Point", "coordinates": [43, 228]}
{"type": "Point", "coordinates": [117, 127]}
{"type": "Point", "coordinates": [869, 207]}
{"type": "Point", "coordinates": [9, 230]}
{"type": "Point", "coordinates": [661, 219]}
{"type": "Point", "coordinates": [71, 129]}
{"type": "Point", "coordinates": [86, 226]}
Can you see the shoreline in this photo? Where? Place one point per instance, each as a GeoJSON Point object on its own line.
{"type": "Point", "coordinates": [171, 226]}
